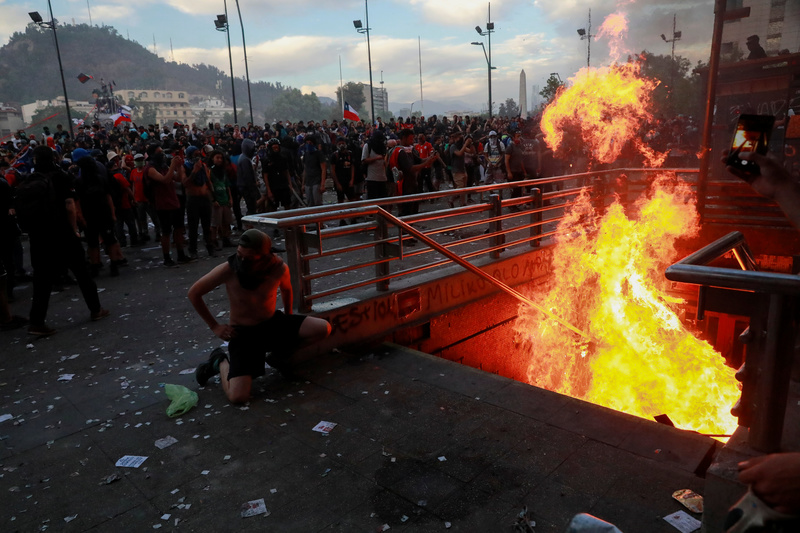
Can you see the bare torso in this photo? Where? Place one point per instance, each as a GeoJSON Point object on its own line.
{"type": "Point", "coordinates": [250, 307]}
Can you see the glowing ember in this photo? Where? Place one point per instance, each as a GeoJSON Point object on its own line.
{"type": "Point", "coordinates": [608, 280]}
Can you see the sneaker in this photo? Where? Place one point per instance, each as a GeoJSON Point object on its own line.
{"type": "Point", "coordinates": [100, 315]}
{"type": "Point", "coordinates": [183, 258]}
{"type": "Point", "coordinates": [205, 371]}
{"type": "Point", "coordinates": [42, 330]}
{"type": "Point", "coordinates": [169, 262]}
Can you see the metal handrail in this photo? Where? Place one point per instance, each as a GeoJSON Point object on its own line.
{"type": "Point", "coordinates": [694, 269]}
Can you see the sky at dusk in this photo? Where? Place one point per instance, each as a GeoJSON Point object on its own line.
{"type": "Point", "coordinates": [299, 43]}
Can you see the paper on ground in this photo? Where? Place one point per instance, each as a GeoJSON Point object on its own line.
{"type": "Point", "coordinates": [254, 507]}
{"type": "Point", "coordinates": [131, 461]}
{"type": "Point", "coordinates": [165, 442]}
{"type": "Point", "coordinates": [683, 522]}
{"type": "Point", "coordinates": [5, 417]}
{"type": "Point", "coordinates": [324, 427]}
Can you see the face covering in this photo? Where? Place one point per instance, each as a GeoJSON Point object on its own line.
{"type": "Point", "coordinates": [251, 274]}
{"type": "Point", "coordinates": [139, 163]}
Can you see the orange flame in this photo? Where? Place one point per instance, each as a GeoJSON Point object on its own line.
{"type": "Point", "coordinates": [608, 281]}
{"type": "Point", "coordinates": [604, 108]}
{"type": "Point", "coordinates": [614, 27]}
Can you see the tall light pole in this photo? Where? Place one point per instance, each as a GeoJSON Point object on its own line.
{"type": "Point", "coordinates": [361, 29]}
{"type": "Point", "coordinates": [37, 18]}
{"type": "Point", "coordinates": [586, 34]}
{"type": "Point", "coordinates": [676, 36]}
{"type": "Point", "coordinates": [488, 32]}
{"type": "Point", "coordinates": [246, 68]}
{"type": "Point", "coordinates": [222, 25]}
{"type": "Point", "coordinates": [490, 68]}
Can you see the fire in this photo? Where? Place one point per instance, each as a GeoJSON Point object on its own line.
{"type": "Point", "coordinates": [614, 27]}
{"type": "Point", "coordinates": [608, 272]}
{"type": "Point", "coordinates": [608, 281]}
{"type": "Point", "coordinates": [604, 108]}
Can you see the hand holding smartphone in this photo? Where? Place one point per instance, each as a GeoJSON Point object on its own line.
{"type": "Point", "coordinates": [752, 134]}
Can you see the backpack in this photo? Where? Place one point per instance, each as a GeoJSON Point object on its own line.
{"type": "Point", "coordinates": [35, 202]}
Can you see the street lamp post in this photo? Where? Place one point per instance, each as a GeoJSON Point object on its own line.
{"type": "Point", "coordinates": [676, 36]}
{"type": "Point", "coordinates": [222, 25]}
{"type": "Point", "coordinates": [37, 18]}
{"type": "Point", "coordinates": [586, 34]}
{"type": "Point", "coordinates": [488, 32]}
{"type": "Point", "coordinates": [246, 68]}
{"type": "Point", "coordinates": [360, 28]}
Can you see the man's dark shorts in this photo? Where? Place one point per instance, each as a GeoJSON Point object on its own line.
{"type": "Point", "coordinates": [247, 348]}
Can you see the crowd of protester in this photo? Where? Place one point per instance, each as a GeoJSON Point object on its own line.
{"type": "Point", "coordinates": [132, 184]}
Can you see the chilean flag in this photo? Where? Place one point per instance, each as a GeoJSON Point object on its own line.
{"type": "Point", "coordinates": [122, 116]}
{"type": "Point", "coordinates": [349, 114]}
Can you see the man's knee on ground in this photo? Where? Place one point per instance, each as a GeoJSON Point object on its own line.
{"type": "Point", "coordinates": [314, 329]}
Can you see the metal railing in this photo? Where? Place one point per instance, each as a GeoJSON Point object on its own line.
{"type": "Point", "coordinates": [329, 258]}
{"type": "Point", "coordinates": [770, 300]}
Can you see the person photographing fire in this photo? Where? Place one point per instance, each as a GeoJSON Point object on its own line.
{"type": "Point", "coordinates": [775, 478]}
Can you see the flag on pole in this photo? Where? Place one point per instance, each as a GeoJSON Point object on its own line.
{"type": "Point", "coordinates": [349, 114]}
{"type": "Point", "coordinates": [121, 117]}
{"type": "Point", "coordinates": [83, 78]}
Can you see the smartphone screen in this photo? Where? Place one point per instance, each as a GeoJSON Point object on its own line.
{"type": "Point", "coordinates": [751, 135]}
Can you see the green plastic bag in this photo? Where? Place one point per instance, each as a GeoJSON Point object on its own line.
{"type": "Point", "coordinates": [182, 398]}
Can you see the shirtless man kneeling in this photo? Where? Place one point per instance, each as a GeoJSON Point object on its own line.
{"type": "Point", "coordinates": [252, 278]}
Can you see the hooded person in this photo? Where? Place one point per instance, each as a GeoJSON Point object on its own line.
{"type": "Point", "coordinates": [56, 244]}
{"type": "Point", "coordinates": [315, 165]}
{"type": "Point", "coordinates": [252, 278]}
{"type": "Point", "coordinates": [246, 177]}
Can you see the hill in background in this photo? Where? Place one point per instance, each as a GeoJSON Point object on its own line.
{"type": "Point", "coordinates": [30, 68]}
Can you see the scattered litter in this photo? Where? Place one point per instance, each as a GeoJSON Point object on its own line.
{"type": "Point", "coordinates": [156, 526]}
{"type": "Point", "coordinates": [182, 398]}
{"type": "Point", "coordinates": [325, 473]}
{"type": "Point", "coordinates": [404, 519]}
{"type": "Point", "coordinates": [205, 472]}
{"type": "Point", "coordinates": [29, 346]}
{"type": "Point", "coordinates": [66, 377]}
{"type": "Point", "coordinates": [385, 527]}
{"type": "Point", "coordinates": [422, 503]}
{"type": "Point", "coordinates": [131, 461]}
{"type": "Point", "coordinates": [166, 516]}
{"type": "Point", "coordinates": [273, 491]}
{"type": "Point", "coordinates": [524, 523]}
{"type": "Point", "coordinates": [683, 522]}
{"type": "Point", "coordinates": [166, 442]}
{"type": "Point", "coordinates": [447, 525]}
{"type": "Point", "coordinates": [69, 519]}
{"type": "Point", "coordinates": [323, 455]}
{"type": "Point", "coordinates": [324, 427]}
{"type": "Point", "coordinates": [187, 371]}
{"type": "Point", "coordinates": [689, 499]}
{"type": "Point", "coordinates": [226, 458]}
{"type": "Point", "coordinates": [442, 458]}
{"type": "Point", "coordinates": [587, 523]}
{"type": "Point", "coordinates": [108, 480]}
{"type": "Point", "coordinates": [244, 408]}
{"type": "Point", "coordinates": [394, 459]}
{"type": "Point", "coordinates": [221, 314]}
{"type": "Point", "coordinates": [174, 491]}
{"type": "Point", "coordinates": [254, 508]}
{"type": "Point", "coordinates": [5, 417]}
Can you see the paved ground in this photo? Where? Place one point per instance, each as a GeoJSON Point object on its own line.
{"type": "Point", "coordinates": [419, 441]}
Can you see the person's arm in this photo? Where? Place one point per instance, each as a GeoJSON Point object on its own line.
{"type": "Point", "coordinates": [775, 479]}
{"type": "Point", "coordinates": [336, 184]}
{"type": "Point", "coordinates": [203, 286]}
{"type": "Point", "coordinates": [508, 163]}
{"type": "Point", "coordinates": [72, 215]}
{"type": "Point", "coordinates": [352, 174]}
{"type": "Point", "coordinates": [154, 174]}
{"type": "Point", "coordinates": [774, 183]}
{"type": "Point", "coordinates": [286, 290]}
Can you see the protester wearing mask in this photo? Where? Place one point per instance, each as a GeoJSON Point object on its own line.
{"type": "Point", "coordinates": [252, 278]}
{"type": "Point", "coordinates": [163, 177]}
{"type": "Point", "coordinates": [142, 201]}
{"type": "Point", "coordinates": [314, 170]}
{"type": "Point", "coordinates": [221, 212]}
{"type": "Point", "coordinates": [515, 163]}
{"type": "Point", "coordinates": [197, 183]}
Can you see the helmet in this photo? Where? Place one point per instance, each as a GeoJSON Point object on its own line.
{"type": "Point", "coordinates": [273, 141]}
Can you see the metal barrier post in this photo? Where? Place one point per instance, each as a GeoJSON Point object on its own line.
{"type": "Point", "coordinates": [496, 226]}
{"type": "Point", "coordinates": [536, 217]}
{"type": "Point", "coordinates": [382, 268]}
{"type": "Point", "coordinates": [296, 248]}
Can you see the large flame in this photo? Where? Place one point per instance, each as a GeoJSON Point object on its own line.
{"type": "Point", "coordinates": [608, 281]}
{"type": "Point", "coordinates": [608, 275]}
{"type": "Point", "coordinates": [603, 109]}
